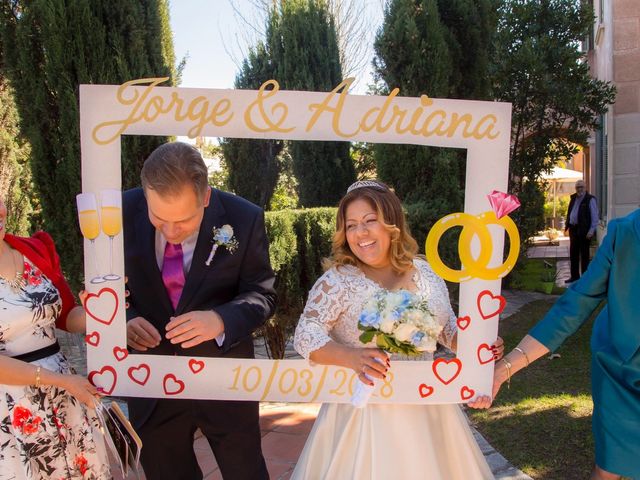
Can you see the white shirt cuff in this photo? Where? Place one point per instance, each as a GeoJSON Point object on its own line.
{"type": "Point", "coordinates": [220, 339]}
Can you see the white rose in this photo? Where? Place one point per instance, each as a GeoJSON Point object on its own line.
{"type": "Point", "coordinates": [227, 230]}
{"type": "Point", "coordinates": [427, 344]}
{"type": "Point", "coordinates": [394, 300]}
{"type": "Point", "coordinates": [387, 324]}
{"type": "Point", "coordinates": [404, 332]}
{"type": "Point", "coordinates": [415, 316]}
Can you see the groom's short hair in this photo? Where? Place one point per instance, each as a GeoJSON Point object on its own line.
{"type": "Point", "coordinates": [173, 166]}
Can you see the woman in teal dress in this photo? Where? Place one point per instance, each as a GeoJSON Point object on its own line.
{"type": "Point", "coordinates": [614, 276]}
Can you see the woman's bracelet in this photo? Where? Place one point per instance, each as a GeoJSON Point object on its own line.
{"type": "Point", "coordinates": [38, 377]}
{"type": "Point", "coordinates": [508, 365]}
{"type": "Point", "coordinates": [526, 357]}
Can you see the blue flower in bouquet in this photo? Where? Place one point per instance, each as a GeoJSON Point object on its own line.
{"type": "Point", "coordinates": [416, 338]}
{"type": "Point", "coordinates": [370, 318]}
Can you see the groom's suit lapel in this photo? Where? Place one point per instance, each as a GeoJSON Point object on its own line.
{"type": "Point", "coordinates": [214, 216]}
{"type": "Point", "coordinates": [146, 235]}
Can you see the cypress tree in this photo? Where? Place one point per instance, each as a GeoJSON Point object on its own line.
{"type": "Point", "coordinates": [303, 47]}
{"type": "Point", "coordinates": [440, 48]}
{"type": "Point", "coordinates": [56, 46]}
{"type": "Point", "coordinates": [253, 164]}
{"type": "Point", "coordinates": [15, 175]}
{"type": "Point", "coordinates": [412, 54]}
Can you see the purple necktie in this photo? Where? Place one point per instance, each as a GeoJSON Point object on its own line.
{"type": "Point", "coordinates": [173, 272]}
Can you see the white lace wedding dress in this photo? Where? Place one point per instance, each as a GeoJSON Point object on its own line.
{"type": "Point", "coordinates": [381, 441]}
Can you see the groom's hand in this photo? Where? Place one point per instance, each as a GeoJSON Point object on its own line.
{"type": "Point", "coordinates": [193, 328]}
{"type": "Point", "coordinates": [141, 335]}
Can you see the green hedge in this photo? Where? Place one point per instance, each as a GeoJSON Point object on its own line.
{"type": "Point", "coordinates": [300, 239]}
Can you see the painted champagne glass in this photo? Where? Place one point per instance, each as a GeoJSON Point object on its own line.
{"type": "Point", "coordinates": [111, 221]}
{"type": "Point", "coordinates": [90, 226]}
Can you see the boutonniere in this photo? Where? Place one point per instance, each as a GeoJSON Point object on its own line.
{"type": "Point", "coordinates": [222, 237]}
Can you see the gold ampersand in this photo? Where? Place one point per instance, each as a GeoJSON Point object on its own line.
{"type": "Point", "coordinates": [279, 111]}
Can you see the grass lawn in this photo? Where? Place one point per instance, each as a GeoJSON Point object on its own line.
{"type": "Point", "coordinates": [530, 274]}
{"type": "Point", "coordinates": [542, 424]}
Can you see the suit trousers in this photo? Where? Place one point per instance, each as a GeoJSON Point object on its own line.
{"type": "Point", "coordinates": [578, 252]}
{"type": "Point", "coordinates": [231, 428]}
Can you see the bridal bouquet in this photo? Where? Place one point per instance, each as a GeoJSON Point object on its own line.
{"type": "Point", "coordinates": [400, 322]}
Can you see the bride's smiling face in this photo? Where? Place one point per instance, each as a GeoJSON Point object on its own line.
{"type": "Point", "coordinates": [367, 236]}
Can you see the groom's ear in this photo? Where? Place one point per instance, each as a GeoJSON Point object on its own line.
{"type": "Point", "coordinates": [207, 197]}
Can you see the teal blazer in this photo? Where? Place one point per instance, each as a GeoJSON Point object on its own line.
{"type": "Point", "coordinates": [613, 275]}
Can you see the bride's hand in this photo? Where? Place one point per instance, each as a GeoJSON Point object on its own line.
{"type": "Point", "coordinates": [369, 362]}
{"type": "Point", "coordinates": [483, 401]}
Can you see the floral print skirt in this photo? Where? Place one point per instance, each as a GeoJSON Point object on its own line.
{"type": "Point", "coordinates": [47, 434]}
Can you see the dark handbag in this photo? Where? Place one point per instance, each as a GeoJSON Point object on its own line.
{"type": "Point", "coordinates": [121, 439]}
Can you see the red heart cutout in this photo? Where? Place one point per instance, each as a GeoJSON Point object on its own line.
{"type": "Point", "coordinates": [446, 370]}
{"type": "Point", "coordinates": [485, 354]}
{"type": "Point", "coordinates": [196, 366]}
{"type": "Point", "coordinates": [490, 305]}
{"type": "Point", "coordinates": [139, 374]}
{"type": "Point", "coordinates": [92, 339]}
{"type": "Point", "coordinates": [105, 377]}
{"type": "Point", "coordinates": [466, 393]}
{"type": "Point", "coordinates": [463, 322]}
{"type": "Point", "coordinates": [425, 390]}
{"type": "Point", "coordinates": [101, 305]}
{"type": "Point", "coordinates": [120, 353]}
{"type": "Point", "coordinates": [171, 385]}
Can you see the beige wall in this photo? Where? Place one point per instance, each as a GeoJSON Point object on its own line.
{"type": "Point", "coordinates": [616, 58]}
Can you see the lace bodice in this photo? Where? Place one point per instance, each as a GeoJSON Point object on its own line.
{"type": "Point", "coordinates": [337, 299]}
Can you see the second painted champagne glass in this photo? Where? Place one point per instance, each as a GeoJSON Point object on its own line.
{"type": "Point", "coordinates": [111, 220]}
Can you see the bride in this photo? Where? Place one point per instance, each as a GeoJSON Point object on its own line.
{"type": "Point", "coordinates": [373, 250]}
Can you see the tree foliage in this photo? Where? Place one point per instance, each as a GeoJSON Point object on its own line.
{"type": "Point", "coordinates": [542, 72]}
{"type": "Point", "coordinates": [56, 46]}
{"type": "Point", "coordinates": [15, 174]}
{"type": "Point", "coordinates": [253, 165]}
{"type": "Point", "coordinates": [303, 48]}
{"type": "Point", "coordinates": [440, 48]}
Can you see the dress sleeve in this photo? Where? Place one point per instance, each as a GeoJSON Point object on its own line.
{"type": "Point", "coordinates": [325, 304]}
{"type": "Point", "coordinates": [57, 278]}
{"type": "Point", "coordinates": [440, 304]}
{"type": "Point", "coordinates": [581, 299]}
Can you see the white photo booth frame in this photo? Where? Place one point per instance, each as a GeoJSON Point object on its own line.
{"type": "Point", "coordinates": [142, 107]}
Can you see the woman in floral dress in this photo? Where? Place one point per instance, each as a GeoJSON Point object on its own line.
{"type": "Point", "coordinates": [48, 428]}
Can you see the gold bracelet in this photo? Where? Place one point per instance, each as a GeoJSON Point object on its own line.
{"type": "Point", "coordinates": [526, 357]}
{"type": "Point", "coordinates": [508, 365]}
{"type": "Point", "coordinates": [37, 377]}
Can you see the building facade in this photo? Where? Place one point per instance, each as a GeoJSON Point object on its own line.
{"type": "Point", "coordinates": [613, 165]}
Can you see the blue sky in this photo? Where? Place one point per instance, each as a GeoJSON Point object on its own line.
{"type": "Point", "coordinates": [212, 35]}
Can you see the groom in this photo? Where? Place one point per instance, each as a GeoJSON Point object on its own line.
{"type": "Point", "coordinates": [180, 305]}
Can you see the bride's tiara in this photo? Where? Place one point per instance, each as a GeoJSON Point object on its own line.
{"type": "Point", "coordinates": [366, 183]}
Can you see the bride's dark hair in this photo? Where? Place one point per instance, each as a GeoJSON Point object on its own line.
{"type": "Point", "coordinates": [381, 198]}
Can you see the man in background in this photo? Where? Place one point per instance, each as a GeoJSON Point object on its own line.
{"type": "Point", "coordinates": [582, 220]}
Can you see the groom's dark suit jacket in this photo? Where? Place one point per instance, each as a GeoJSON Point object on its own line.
{"type": "Point", "coordinates": [238, 286]}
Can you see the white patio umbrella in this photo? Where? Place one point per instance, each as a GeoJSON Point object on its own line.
{"type": "Point", "coordinates": [561, 175]}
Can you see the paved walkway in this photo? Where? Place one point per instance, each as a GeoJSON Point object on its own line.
{"type": "Point", "coordinates": [285, 426]}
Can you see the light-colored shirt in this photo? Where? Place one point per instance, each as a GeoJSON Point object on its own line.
{"type": "Point", "coordinates": [593, 209]}
{"type": "Point", "coordinates": [188, 247]}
